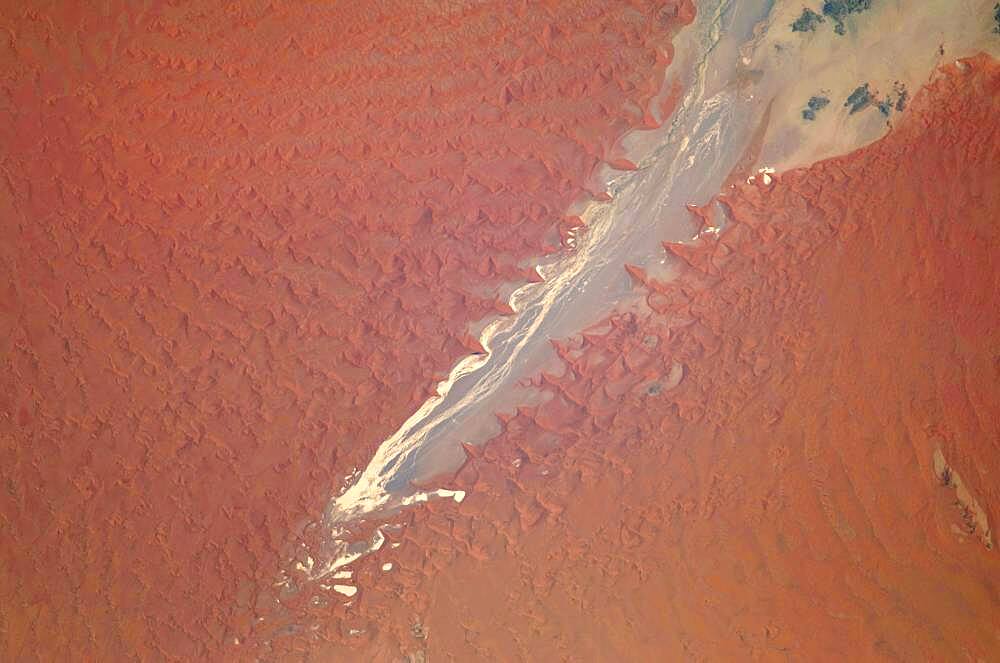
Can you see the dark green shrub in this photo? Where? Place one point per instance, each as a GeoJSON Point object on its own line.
{"type": "Point", "coordinates": [807, 22]}
{"type": "Point", "coordinates": [838, 10]}
{"type": "Point", "coordinates": [818, 103]}
{"type": "Point", "coordinates": [901, 96]}
{"type": "Point", "coordinates": [859, 99]}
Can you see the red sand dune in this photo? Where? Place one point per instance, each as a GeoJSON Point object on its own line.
{"type": "Point", "coordinates": [783, 502]}
{"type": "Point", "coordinates": [241, 240]}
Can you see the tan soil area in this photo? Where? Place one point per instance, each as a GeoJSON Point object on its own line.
{"type": "Point", "coordinates": [894, 46]}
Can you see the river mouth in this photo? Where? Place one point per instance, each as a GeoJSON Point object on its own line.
{"type": "Point", "coordinates": [684, 162]}
{"type": "Point", "coordinates": [734, 68]}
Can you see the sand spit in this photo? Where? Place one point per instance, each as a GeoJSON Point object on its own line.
{"type": "Point", "coordinates": [785, 500]}
{"type": "Point", "coordinates": [975, 521]}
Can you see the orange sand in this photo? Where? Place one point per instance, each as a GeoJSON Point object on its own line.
{"type": "Point", "coordinates": [241, 241]}
{"type": "Point", "coordinates": [782, 502]}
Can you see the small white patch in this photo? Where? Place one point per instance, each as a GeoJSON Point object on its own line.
{"type": "Point", "coordinates": [346, 590]}
{"type": "Point", "coordinates": [378, 539]}
{"type": "Point", "coordinates": [457, 495]}
{"type": "Point", "coordinates": [307, 567]}
{"type": "Point", "coordinates": [387, 566]}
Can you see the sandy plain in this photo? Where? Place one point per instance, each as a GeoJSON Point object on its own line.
{"type": "Point", "coordinates": [795, 495]}
{"type": "Point", "coordinates": [790, 454]}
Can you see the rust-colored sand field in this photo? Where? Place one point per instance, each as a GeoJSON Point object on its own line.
{"type": "Point", "coordinates": [816, 486]}
{"type": "Point", "coordinates": [240, 242]}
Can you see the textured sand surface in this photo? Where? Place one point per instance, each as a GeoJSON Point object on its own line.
{"type": "Point", "coordinates": [810, 92]}
{"type": "Point", "coordinates": [243, 241]}
{"type": "Point", "coordinates": [818, 485]}
{"type": "Point", "coordinates": [240, 243]}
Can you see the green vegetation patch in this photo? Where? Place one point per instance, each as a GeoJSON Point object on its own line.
{"type": "Point", "coordinates": [818, 103]}
{"type": "Point", "coordinates": [838, 10]}
{"type": "Point", "coordinates": [813, 106]}
{"type": "Point", "coordinates": [859, 99]}
{"type": "Point", "coordinates": [863, 97]}
{"type": "Point", "coordinates": [807, 22]}
{"type": "Point", "coordinates": [901, 96]}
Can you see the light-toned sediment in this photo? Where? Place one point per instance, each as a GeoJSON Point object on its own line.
{"type": "Point", "coordinates": [760, 82]}
{"type": "Point", "coordinates": [244, 243]}
{"type": "Point", "coordinates": [241, 242]}
{"type": "Point", "coordinates": [785, 500]}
